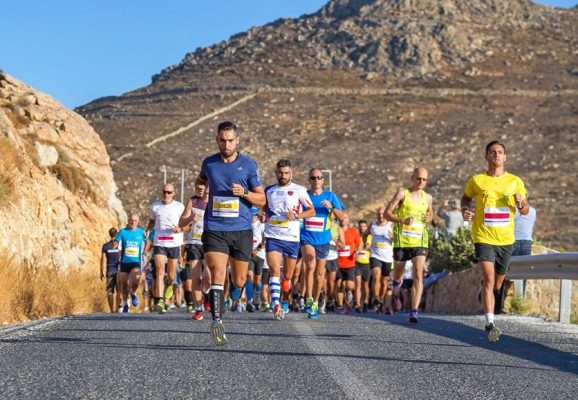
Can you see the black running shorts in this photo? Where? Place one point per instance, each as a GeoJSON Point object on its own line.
{"type": "Point", "coordinates": [237, 244]}
{"type": "Point", "coordinates": [499, 255]}
{"type": "Point", "coordinates": [408, 253]}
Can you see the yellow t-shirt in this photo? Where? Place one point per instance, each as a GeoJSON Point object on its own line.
{"type": "Point", "coordinates": [363, 255]}
{"type": "Point", "coordinates": [495, 207]}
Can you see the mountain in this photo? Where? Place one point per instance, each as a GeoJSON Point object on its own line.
{"type": "Point", "coordinates": [57, 194]}
{"type": "Point", "coordinates": [370, 89]}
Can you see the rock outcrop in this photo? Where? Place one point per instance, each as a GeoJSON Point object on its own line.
{"type": "Point", "coordinates": [57, 193]}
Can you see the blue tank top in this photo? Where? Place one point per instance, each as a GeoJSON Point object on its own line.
{"type": "Point", "coordinates": [112, 257]}
{"type": "Point", "coordinates": [317, 230]}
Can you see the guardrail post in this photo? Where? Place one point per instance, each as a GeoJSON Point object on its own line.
{"type": "Point", "coordinates": [519, 288]}
{"type": "Point", "coordinates": [565, 300]}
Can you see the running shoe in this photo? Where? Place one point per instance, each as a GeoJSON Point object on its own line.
{"type": "Point", "coordinates": [340, 310]}
{"type": "Point", "coordinates": [278, 313]}
{"type": "Point", "coordinates": [229, 304]}
{"type": "Point", "coordinates": [302, 304]}
{"type": "Point", "coordinates": [265, 307]}
{"type": "Point", "coordinates": [168, 292]}
{"type": "Point", "coordinates": [357, 309]}
{"type": "Point", "coordinates": [314, 313]}
{"type": "Point", "coordinates": [364, 308]}
{"type": "Point", "coordinates": [379, 308]}
{"type": "Point", "coordinates": [207, 306]}
{"type": "Point", "coordinates": [388, 311]}
{"type": "Point", "coordinates": [413, 317]}
{"type": "Point", "coordinates": [218, 333]}
{"type": "Point", "coordinates": [190, 309]}
{"type": "Point", "coordinates": [308, 305]}
{"type": "Point", "coordinates": [493, 333]}
{"type": "Point", "coordinates": [125, 308]}
{"type": "Point", "coordinates": [239, 307]}
{"type": "Point", "coordinates": [134, 299]}
{"type": "Point", "coordinates": [322, 308]}
{"type": "Point", "coordinates": [120, 310]}
{"type": "Point", "coordinates": [172, 306]}
{"type": "Point", "coordinates": [198, 315]}
{"type": "Point", "coordinates": [250, 307]}
{"type": "Point", "coordinates": [285, 307]}
{"type": "Point", "coordinates": [160, 307]}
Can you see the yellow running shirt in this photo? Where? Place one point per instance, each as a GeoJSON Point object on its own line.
{"type": "Point", "coordinates": [494, 207]}
{"type": "Point", "coordinates": [363, 255]}
{"type": "Point", "coordinates": [414, 235]}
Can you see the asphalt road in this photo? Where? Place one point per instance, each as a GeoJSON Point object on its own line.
{"type": "Point", "coordinates": [117, 356]}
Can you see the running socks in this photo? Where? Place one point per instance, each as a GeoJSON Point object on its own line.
{"type": "Point", "coordinates": [216, 298]}
{"type": "Point", "coordinates": [489, 318]}
{"type": "Point", "coordinates": [275, 286]}
{"type": "Point", "coordinates": [189, 297]}
{"type": "Point", "coordinates": [249, 291]}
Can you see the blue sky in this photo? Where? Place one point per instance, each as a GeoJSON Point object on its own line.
{"type": "Point", "coordinates": [79, 50]}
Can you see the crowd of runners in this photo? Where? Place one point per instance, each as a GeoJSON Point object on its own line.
{"type": "Point", "coordinates": [237, 245]}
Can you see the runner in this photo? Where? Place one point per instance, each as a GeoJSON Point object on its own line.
{"type": "Point", "coordinates": [164, 218]}
{"type": "Point", "coordinates": [234, 185]}
{"type": "Point", "coordinates": [498, 194]}
{"type": "Point", "coordinates": [255, 272]}
{"type": "Point", "coordinates": [381, 259]}
{"type": "Point", "coordinates": [192, 220]}
{"type": "Point", "coordinates": [410, 210]}
{"type": "Point", "coordinates": [109, 260]}
{"type": "Point", "coordinates": [131, 240]}
{"type": "Point", "coordinates": [315, 239]}
{"type": "Point", "coordinates": [287, 202]}
{"type": "Point", "coordinates": [362, 269]}
{"type": "Point", "coordinates": [332, 268]}
{"type": "Point", "coordinates": [348, 245]}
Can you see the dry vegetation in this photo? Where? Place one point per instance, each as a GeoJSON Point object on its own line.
{"type": "Point", "coordinates": [30, 293]}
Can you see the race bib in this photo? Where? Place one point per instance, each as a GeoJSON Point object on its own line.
{"type": "Point", "coordinates": [345, 252]}
{"type": "Point", "coordinates": [197, 235]}
{"type": "Point", "coordinates": [314, 224]}
{"type": "Point", "coordinates": [361, 254]}
{"type": "Point", "coordinates": [131, 251]}
{"type": "Point", "coordinates": [414, 230]}
{"type": "Point", "coordinates": [227, 207]}
{"type": "Point", "coordinates": [497, 216]}
{"type": "Point", "coordinates": [165, 238]}
{"type": "Point", "coordinates": [277, 223]}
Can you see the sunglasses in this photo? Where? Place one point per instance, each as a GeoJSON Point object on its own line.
{"type": "Point", "coordinates": [313, 178]}
{"type": "Point", "coordinates": [167, 192]}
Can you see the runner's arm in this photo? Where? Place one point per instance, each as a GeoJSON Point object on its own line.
{"type": "Point", "coordinates": [187, 216]}
{"type": "Point", "coordinates": [255, 196]}
{"type": "Point", "coordinates": [338, 213]}
{"type": "Point", "coordinates": [429, 212]}
{"type": "Point", "coordinates": [102, 265]}
{"type": "Point", "coordinates": [467, 212]}
{"type": "Point", "coordinates": [392, 205]}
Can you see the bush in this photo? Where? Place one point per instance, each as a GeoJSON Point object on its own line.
{"type": "Point", "coordinates": [451, 252]}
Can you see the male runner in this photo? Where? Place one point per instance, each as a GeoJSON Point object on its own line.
{"type": "Point", "coordinates": [348, 246]}
{"type": "Point", "coordinates": [315, 238]}
{"type": "Point", "coordinates": [131, 241]}
{"type": "Point", "coordinates": [362, 268]}
{"type": "Point", "coordinates": [234, 186]}
{"type": "Point", "coordinates": [255, 272]}
{"type": "Point", "coordinates": [164, 218]}
{"type": "Point", "coordinates": [287, 202]}
{"type": "Point", "coordinates": [109, 260]}
{"type": "Point", "coordinates": [192, 219]}
{"type": "Point", "coordinates": [381, 258]}
{"type": "Point", "coordinates": [410, 210]}
{"type": "Point", "coordinates": [498, 194]}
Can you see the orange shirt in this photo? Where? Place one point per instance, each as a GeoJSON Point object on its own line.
{"type": "Point", "coordinates": [346, 256]}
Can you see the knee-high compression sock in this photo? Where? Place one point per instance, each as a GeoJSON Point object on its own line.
{"type": "Point", "coordinates": [189, 297]}
{"type": "Point", "coordinates": [275, 286]}
{"type": "Point", "coordinates": [249, 291]}
{"type": "Point", "coordinates": [216, 298]}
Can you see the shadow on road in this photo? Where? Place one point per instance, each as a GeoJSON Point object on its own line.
{"type": "Point", "coordinates": [508, 345]}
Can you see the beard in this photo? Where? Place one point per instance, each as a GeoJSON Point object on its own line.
{"type": "Point", "coordinates": [283, 181]}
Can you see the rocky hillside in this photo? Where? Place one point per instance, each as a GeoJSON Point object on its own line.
{"type": "Point", "coordinates": [369, 89]}
{"type": "Point", "coordinates": [57, 194]}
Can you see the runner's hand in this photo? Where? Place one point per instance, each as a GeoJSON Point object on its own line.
{"type": "Point", "coordinates": [519, 200]}
{"type": "Point", "coordinates": [467, 213]}
{"type": "Point", "coordinates": [326, 203]}
{"type": "Point", "coordinates": [237, 189]}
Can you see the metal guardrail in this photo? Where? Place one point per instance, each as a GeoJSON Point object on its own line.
{"type": "Point", "coordinates": [563, 266]}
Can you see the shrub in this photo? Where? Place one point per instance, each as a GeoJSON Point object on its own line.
{"type": "Point", "coordinates": [451, 252]}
